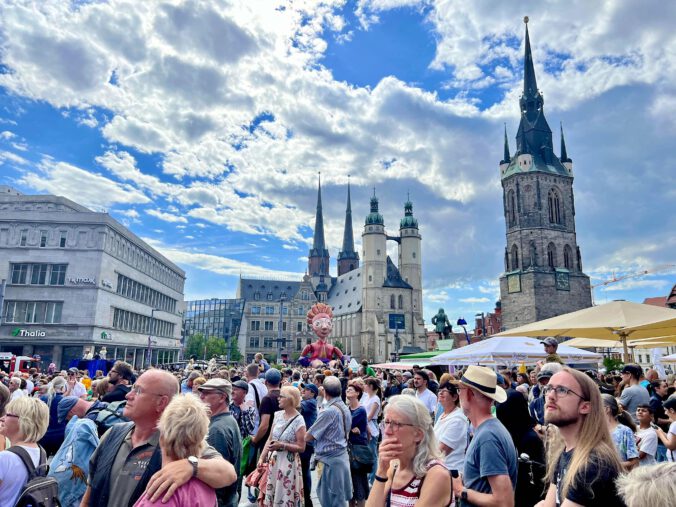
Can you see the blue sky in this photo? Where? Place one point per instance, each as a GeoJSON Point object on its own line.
{"type": "Point", "coordinates": [202, 126]}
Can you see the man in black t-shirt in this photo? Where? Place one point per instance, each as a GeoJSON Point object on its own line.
{"type": "Point", "coordinates": [573, 404]}
{"type": "Point", "coordinates": [269, 405]}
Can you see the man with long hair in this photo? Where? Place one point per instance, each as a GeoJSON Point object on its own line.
{"type": "Point", "coordinates": [583, 466]}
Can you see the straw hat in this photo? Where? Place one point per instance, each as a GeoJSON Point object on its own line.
{"type": "Point", "coordinates": [485, 381]}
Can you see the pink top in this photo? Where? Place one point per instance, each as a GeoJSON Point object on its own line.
{"type": "Point", "coordinates": [194, 493]}
{"type": "Point", "coordinates": [409, 494]}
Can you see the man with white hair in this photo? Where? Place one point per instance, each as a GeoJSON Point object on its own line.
{"type": "Point", "coordinates": [15, 388]}
{"type": "Point", "coordinates": [330, 431]}
{"type": "Point", "coordinates": [490, 470]}
{"type": "Point", "coordinates": [128, 461]}
{"type": "Point", "coordinates": [537, 406]}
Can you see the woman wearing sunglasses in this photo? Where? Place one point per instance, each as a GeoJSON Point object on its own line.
{"type": "Point", "coordinates": [24, 423]}
{"type": "Point", "coordinates": [410, 470]}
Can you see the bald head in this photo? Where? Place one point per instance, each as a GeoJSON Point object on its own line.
{"type": "Point", "coordinates": [161, 382]}
{"type": "Point", "coordinates": [332, 387]}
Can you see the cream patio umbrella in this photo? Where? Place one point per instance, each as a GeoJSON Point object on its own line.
{"type": "Point", "coordinates": [648, 343]}
{"type": "Point", "coordinates": [615, 321]}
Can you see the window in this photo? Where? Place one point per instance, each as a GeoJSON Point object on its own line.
{"type": "Point", "coordinates": [283, 326]}
{"type": "Point", "coordinates": [551, 255]}
{"type": "Point", "coordinates": [58, 274]}
{"type": "Point", "coordinates": [378, 252]}
{"type": "Point", "coordinates": [19, 273]}
{"type": "Point", "coordinates": [269, 296]}
{"type": "Point", "coordinates": [304, 296]}
{"type": "Point", "coordinates": [254, 342]}
{"type": "Point", "coordinates": [24, 237]}
{"type": "Point", "coordinates": [515, 258]}
{"type": "Point", "coordinates": [33, 312]}
{"type": "Point", "coordinates": [257, 296]}
{"type": "Point", "coordinates": [255, 310]}
{"type": "Point", "coordinates": [567, 257]}
{"type": "Point", "coordinates": [392, 305]}
{"type": "Point", "coordinates": [554, 203]}
{"type": "Point", "coordinates": [285, 310]}
{"type": "Point", "coordinates": [401, 302]}
{"type": "Point", "coordinates": [268, 325]}
{"type": "Point", "coordinates": [138, 292]}
{"type": "Point", "coordinates": [62, 240]}
{"type": "Point", "coordinates": [255, 325]}
{"type": "Point", "coordinates": [511, 208]}
{"type": "Point", "coordinates": [269, 310]}
{"type": "Point", "coordinates": [267, 342]}
{"type": "Point", "coordinates": [39, 274]}
{"type": "Point", "coordinates": [43, 239]}
{"type": "Point", "coordinates": [299, 326]}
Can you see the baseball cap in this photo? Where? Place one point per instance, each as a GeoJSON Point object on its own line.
{"type": "Point", "coordinates": [65, 406]}
{"type": "Point", "coordinates": [217, 384]}
{"type": "Point", "coordinates": [311, 387]}
{"type": "Point", "coordinates": [273, 377]}
{"type": "Point", "coordinates": [632, 369]}
{"type": "Point", "coordinates": [73, 370]}
{"type": "Point", "coordinates": [550, 341]}
{"type": "Point", "coordinates": [241, 384]}
{"type": "Point", "coordinates": [407, 374]}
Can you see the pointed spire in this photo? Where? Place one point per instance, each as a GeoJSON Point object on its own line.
{"type": "Point", "coordinates": [318, 242]}
{"type": "Point", "coordinates": [348, 259]}
{"type": "Point", "coordinates": [564, 153]}
{"type": "Point", "coordinates": [408, 221]}
{"type": "Point", "coordinates": [506, 157]}
{"type": "Point", "coordinates": [530, 85]}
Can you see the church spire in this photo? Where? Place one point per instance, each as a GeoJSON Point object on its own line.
{"type": "Point", "coordinates": [318, 260]}
{"type": "Point", "coordinates": [564, 153]}
{"type": "Point", "coordinates": [505, 157]}
{"type": "Point", "coordinates": [348, 259]}
{"type": "Point", "coordinates": [530, 85]}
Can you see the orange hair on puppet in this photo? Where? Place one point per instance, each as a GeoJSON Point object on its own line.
{"type": "Point", "coordinates": [317, 309]}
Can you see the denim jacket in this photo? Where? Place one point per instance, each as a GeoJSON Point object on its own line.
{"type": "Point", "coordinates": [70, 466]}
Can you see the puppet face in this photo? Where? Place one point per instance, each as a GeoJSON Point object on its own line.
{"type": "Point", "coordinates": [322, 325]}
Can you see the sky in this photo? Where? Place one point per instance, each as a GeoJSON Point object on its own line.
{"type": "Point", "coordinates": [202, 126]}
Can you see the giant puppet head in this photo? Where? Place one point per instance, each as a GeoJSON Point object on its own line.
{"type": "Point", "coordinates": [320, 317]}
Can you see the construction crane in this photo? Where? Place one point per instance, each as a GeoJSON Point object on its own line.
{"type": "Point", "coordinates": [628, 276]}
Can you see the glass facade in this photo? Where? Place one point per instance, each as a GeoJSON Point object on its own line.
{"type": "Point", "coordinates": [214, 317]}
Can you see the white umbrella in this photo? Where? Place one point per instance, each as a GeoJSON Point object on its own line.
{"type": "Point", "coordinates": [668, 359]}
{"type": "Point", "coordinates": [511, 351]}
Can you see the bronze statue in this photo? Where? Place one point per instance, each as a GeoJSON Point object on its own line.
{"type": "Point", "coordinates": [441, 324]}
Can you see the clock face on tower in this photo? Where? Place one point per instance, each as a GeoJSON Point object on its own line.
{"type": "Point", "coordinates": [562, 281]}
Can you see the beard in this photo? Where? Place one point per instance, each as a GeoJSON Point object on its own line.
{"type": "Point", "coordinates": [560, 420]}
{"type": "Point", "coordinates": [113, 382]}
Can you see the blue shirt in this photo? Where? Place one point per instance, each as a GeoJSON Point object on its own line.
{"type": "Point", "coordinates": [331, 427]}
{"type": "Point", "coordinates": [359, 421]}
{"type": "Point", "coordinates": [490, 453]}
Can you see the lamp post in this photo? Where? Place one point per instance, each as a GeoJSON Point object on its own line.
{"type": "Point", "coordinates": [150, 336]}
{"type": "Point", "coordinates": [463, 324]}
{"type": "Point", "coordinates": [397, 344]}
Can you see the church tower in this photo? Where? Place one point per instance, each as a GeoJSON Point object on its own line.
{"type": "Point", "coordinates": [318, 259]}
{"type": "Point", "coordinates": [543, 267]}
{"type": "Point", "coordinates": [348, 259]}
{"type": "Point", "coordinates": [410, 265]}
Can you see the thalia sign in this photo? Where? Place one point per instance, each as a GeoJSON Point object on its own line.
{"type": "Point", "coordinates": [27, 333]}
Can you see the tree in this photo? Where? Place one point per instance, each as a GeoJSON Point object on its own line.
{"type": "Point", "coordinates": [612, 364]}
{"type": "Point", "coordinates": [339, 345]}
{"type": "Point", "coordinates": [202, 347]}
{"type": "Point", "coordinates": [235, 354]}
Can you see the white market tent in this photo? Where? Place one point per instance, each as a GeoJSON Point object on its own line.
{"type": "Point", "coordinates": [510, 351]}
{"type": "Point", "coordinates": [669, 359]}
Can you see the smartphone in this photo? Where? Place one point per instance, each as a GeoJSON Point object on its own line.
{"type": "Point", "coordinates": [654, 426]}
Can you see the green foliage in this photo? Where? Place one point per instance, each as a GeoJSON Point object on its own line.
{"type": "Point", "coordinates": [339, 344]}
{"type": "Point", "coordinates": [235, 354]}
{"type": "Point", "coordinates": [611, 363]}
{"type": "Point", "coordinates": [198, 344]}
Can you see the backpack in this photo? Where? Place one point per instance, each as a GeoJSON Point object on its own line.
{"type": "Point", "coordinates": [40, 490]}
{"type": "Point", "coordinates": [109, 415]}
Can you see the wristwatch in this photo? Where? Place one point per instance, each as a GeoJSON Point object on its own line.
{"type": "Point", "coordinates": [193, 461]}
{"type": "Point", "coordinates": [463, 495]}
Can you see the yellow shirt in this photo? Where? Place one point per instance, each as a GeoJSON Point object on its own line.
{"type": "Point", "coordinates": [87, 382]}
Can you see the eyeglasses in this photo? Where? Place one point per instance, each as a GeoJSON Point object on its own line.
{"type": "Point", "coordinates": [114, 371]}
{"type": "Point", "coordinates": [138, 390]}
{"type": "Point", "coordinates": [560, 391]}
{"type": "Point", "coordinates": [396, 426]}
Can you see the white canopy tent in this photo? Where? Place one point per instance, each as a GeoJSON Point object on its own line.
{"type": "Point", "coordinates": [671, 359]}
{"type": "Point", "coordinates": [510, 351]}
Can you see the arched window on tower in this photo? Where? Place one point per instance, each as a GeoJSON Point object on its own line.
{"type": "Point", "coordinates": [401, 302]}
{"type": "Point", "coordinates": [392, 306]}
{"type": "Point", "coordinates": [551, 255]}
{"type": "Point", "coordinates": [567, 257]}
{"type": "Point", "coordinates": [515, 258]}
{"type": "Point", "coordinates": [554, 202]}
{"type": "Point", "coordinates": [511, 208]}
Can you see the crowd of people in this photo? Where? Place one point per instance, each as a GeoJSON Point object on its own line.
{"type": "Point", "coordinates": [548, 436]}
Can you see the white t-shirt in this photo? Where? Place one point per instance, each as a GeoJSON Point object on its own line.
{"type": "Point", "coordinates": [452, 431]}
{"type": "Point", "coordinates": [13, 474]}
{"type": "Point", "coordinates": [648, 445]}
{"type": "Point", "coordinates": [250, 398]}
{"type": "Point", "coordinates": [19, 393]}
{"type": "Point", "coordinates": [671, 455]}
{"type": "Point", "coordinates": [79, 390]}
{"type": "Point", "coordinates": [368, 403]}
{"type": "Point", "coordinates": [428, 398]}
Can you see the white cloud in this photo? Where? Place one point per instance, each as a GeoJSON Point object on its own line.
{"type": "Point", "coordinates": [473, 300]}
{"type": "Point", "coordinates": [286, 246]}
{"type": "Point", "coordinates": [84, 187]}
{"type": "Point", "coordinates": [6, 134]}
{"type": "Point", "coordinates": [167, 217]}
{"type": "Point", "coordinates": [8, 156]}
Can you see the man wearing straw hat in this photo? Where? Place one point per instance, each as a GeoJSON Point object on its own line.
{"type": "Point", "coordinates": [489, 476]}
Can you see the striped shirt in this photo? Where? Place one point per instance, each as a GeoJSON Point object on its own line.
{"type": "Point", "coordinates": [408, 495]}
{"type": "Point", "coordinates": [329, 428]}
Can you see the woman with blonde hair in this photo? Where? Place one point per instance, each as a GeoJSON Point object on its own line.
{"type": "Point", "coordinates": [196, 385]}
{"type": "Point", "coordinates": [183, 428]}
{"type": "Point", "coordinates": [56, 430]}
{"type": "Point", "coordinates": [24, 423]}
{"type": "Point", "coordinates": [410, 470]}
{"type": "Point", "coordinates": [282, 451]}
